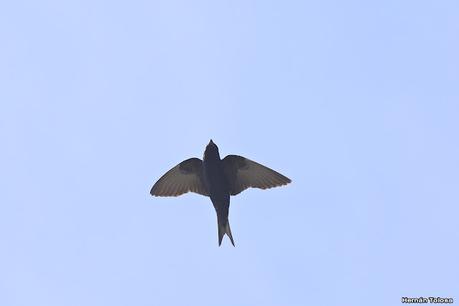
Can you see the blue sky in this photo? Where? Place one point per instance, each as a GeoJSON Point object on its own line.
{"type": "Point", "coordinates": [357, 102]}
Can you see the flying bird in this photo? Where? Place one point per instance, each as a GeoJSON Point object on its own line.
{"type": "Point", "coordinates": [218, 179]}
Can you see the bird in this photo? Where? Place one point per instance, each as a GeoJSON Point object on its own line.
{"type": "Point", "coordinates": [218, 179]}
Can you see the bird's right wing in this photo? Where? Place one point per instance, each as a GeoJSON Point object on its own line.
{"type": "Point", "coordinates": [243, 173]}
{"type": "Point", "coordinates": [185, 177]}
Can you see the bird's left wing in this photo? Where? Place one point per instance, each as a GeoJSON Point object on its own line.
{"type": "Point", "coordinates": [243, 173]}
{"type": "Point", "coordinates": [185, 177]}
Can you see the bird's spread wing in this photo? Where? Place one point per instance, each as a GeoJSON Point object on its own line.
{"type": "Point", "coordinates": [186, 176]}
{"type": "Point", "coordinates": [243, 173]}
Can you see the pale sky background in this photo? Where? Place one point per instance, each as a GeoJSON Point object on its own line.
{"type": "Point", "coordinates": [356, 101]}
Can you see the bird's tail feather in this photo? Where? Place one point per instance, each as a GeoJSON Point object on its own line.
{"type": "Point", "coordinates": [224, 228]}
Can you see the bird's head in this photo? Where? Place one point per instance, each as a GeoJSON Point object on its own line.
{"type": "Point", "coordinates": [211, 150]}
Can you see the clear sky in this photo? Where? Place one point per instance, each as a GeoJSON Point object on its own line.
{"type": "Point", "coordinates": [356, 101]}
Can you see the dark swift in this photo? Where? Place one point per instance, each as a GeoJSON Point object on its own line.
{"type": "Point", "coordinates": [218, 179]}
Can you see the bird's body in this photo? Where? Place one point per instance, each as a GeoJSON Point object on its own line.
{"type": "Point", "coordinates": [217, 179]}
{"type": "Point", "coordinates": [218, 187]}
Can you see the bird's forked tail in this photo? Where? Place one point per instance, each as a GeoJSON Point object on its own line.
{"type": "Point", "coordinates": [224, 228]}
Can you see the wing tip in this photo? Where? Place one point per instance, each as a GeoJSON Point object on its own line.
{"type": "Point", "coordinates": [284, 182]}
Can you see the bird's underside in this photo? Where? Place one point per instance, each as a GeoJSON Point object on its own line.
{"type": "Point", "coordinates": [214, 178]}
